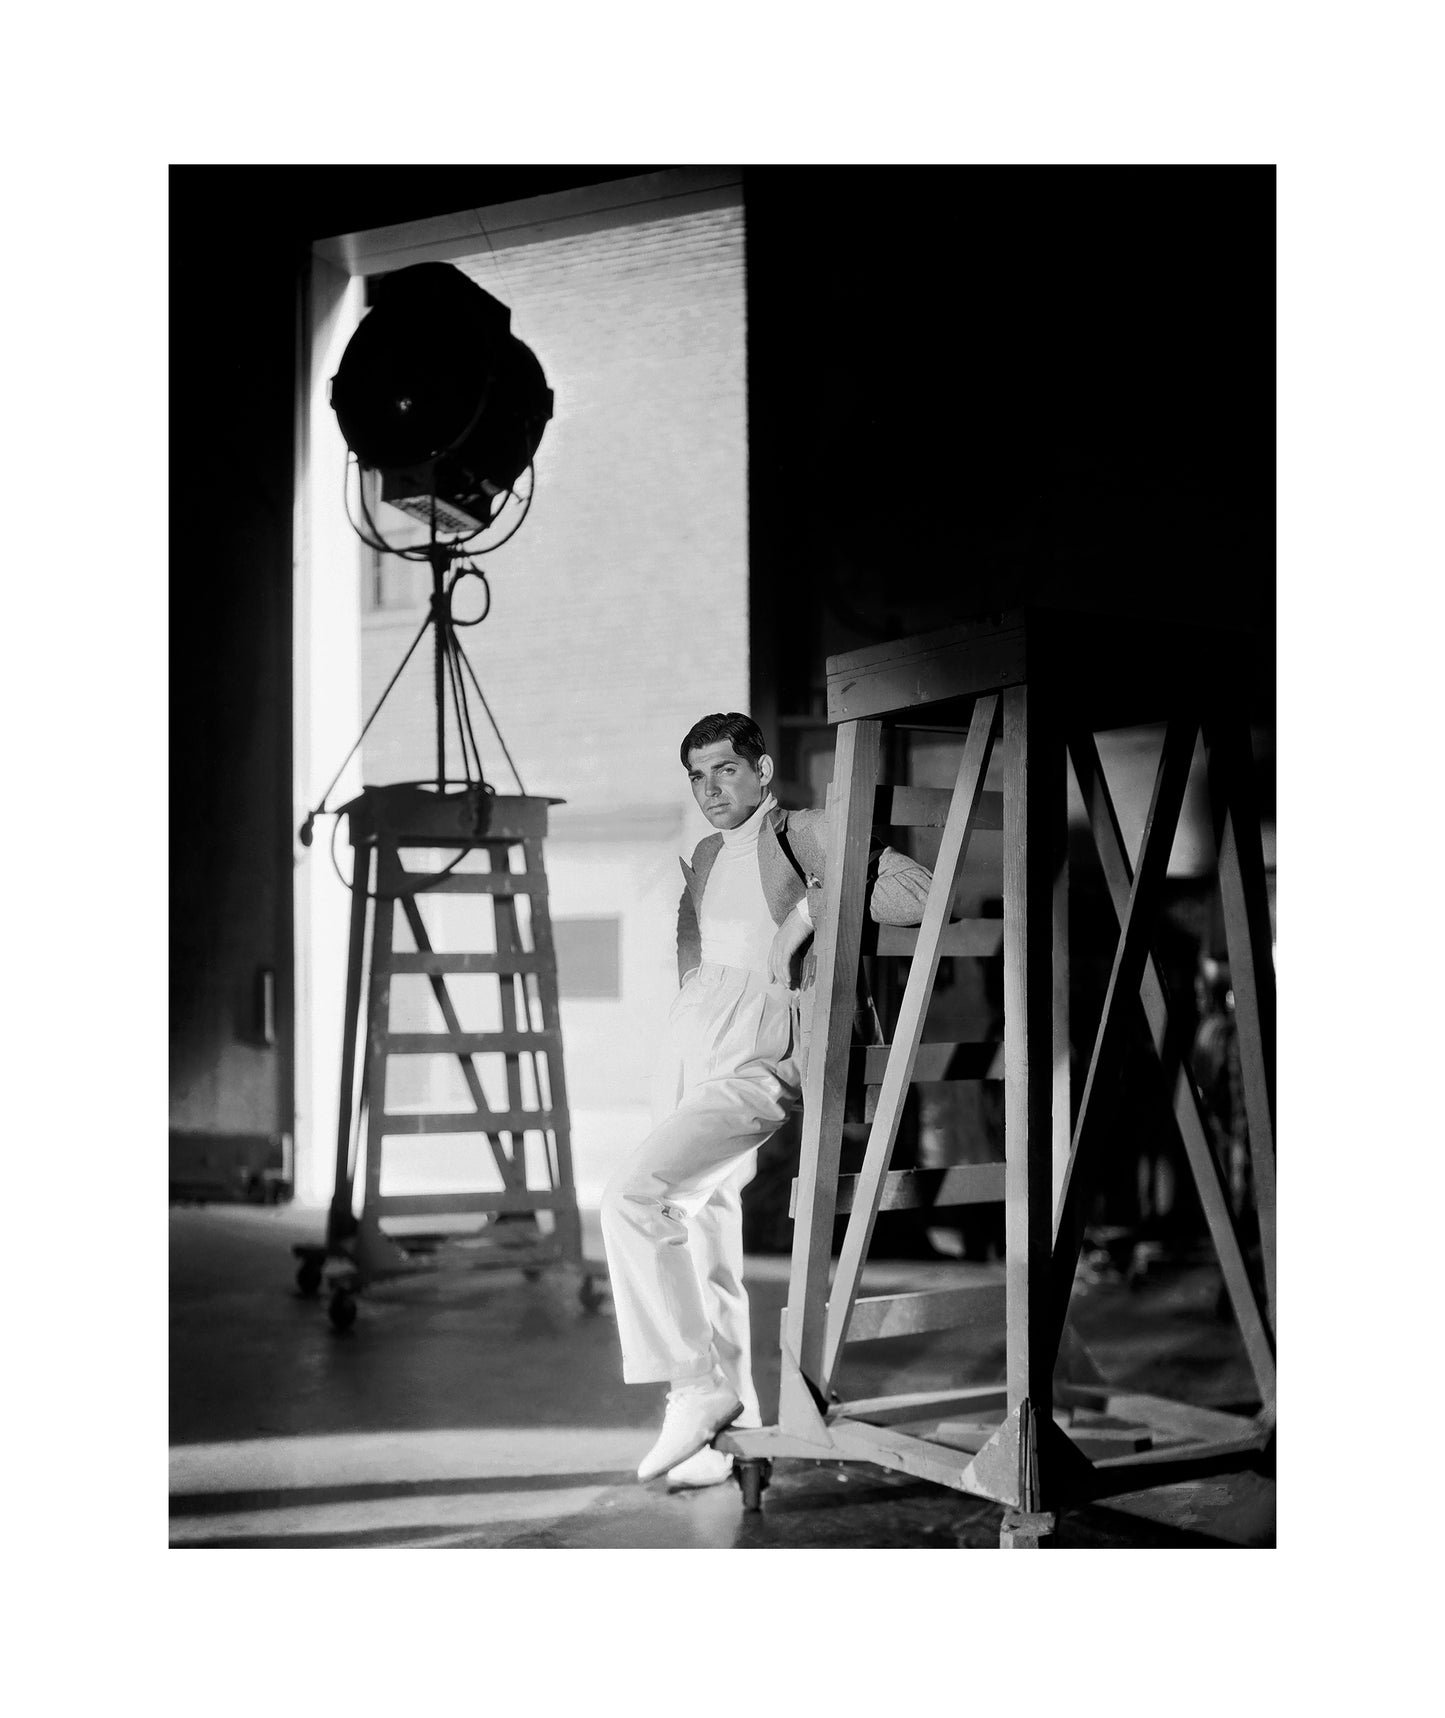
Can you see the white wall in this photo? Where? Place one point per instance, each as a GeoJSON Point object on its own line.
{"type": "Point", "coordinates": [327, 718]}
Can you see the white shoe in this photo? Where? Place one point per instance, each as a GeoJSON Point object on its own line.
{"type": "Point", "coordinates": [707, 1467]}
{"type": "Point", "coordinates": [696, 1413]}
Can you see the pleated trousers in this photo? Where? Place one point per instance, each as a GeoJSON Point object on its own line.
{"type": "Point", "coordinates": [728, 1076]}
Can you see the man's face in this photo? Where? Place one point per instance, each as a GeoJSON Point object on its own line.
{"type": "Point", "coordinates": [727, 788]}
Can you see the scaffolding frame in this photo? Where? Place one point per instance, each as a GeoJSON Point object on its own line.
{"type": "Point", "coordinates": [1036, 685]}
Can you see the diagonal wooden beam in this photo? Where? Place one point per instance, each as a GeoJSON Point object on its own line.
{"type": "Point", "coordinates": [509, 941]}
{"type": "Point", "coordinates": [1034, 852]}
{"type": "Point", "coordinates": [1244, 895]}
{"type": "Point", "coordinates": [555, 1097]}
{"type": "Point", "coordinates": [967, 789]}
{"type": "Point", "coordinates": [1130, 958]}
{"type": "Point", "coordinates": [346, 1151]}
{"type": "Point", "coordinates": [1187, 1104]}
{"type": "Point", "coordinates": [506, 1168]}
{"type": "Point", "coordinates": [378, 1010]}
{"type": "Point", "coordinates": [838, 939]}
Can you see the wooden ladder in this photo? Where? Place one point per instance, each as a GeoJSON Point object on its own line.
{"type": "Point", "coordinates": [487, 847]}
{"type": "Point", "coordinates": [1034, 687]}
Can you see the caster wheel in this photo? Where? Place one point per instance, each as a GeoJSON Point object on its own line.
{"type": "Point", "coordinates": [754, 1478]}
{"type": "Point", "coordinates": [308, 1278]}
{"type": "Point", "coordinates": [590, 1295]}
{"type": "Point", "coordinates": [342, 1310]}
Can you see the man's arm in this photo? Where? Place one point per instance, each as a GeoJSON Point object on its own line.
{"type": "Point", "coordinates": [899, 891]}
{"type": "Point", "coordinates": [791, 936]}
{"type": "Point", "coordinates": [897, 885]}
{"type": "Point", "coordinates": [897, 895]}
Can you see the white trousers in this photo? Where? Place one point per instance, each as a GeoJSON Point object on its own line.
{"type": "Point", "coordinates": [727, 1078]}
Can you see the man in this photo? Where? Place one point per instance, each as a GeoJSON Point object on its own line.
{"type": "Point", "coordinates": [729, 1076]}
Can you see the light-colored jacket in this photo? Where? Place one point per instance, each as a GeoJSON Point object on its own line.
{"type": "Point", "coordinates": [791, 858]}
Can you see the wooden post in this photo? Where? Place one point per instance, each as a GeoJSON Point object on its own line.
{"type": "Point", "coordinates": [509, 941]}
{"type": "Point", "coordinates": [1034, 815]}
{"type": "Point", "coordinates": [339, 1220]}
{"type": "Point", "coordinates": [1062, 1093]}
{"type": "Point", "coordinates": [378, 1015]}
{"type": "Point", "coordinates": [566, 1215]}
{"type": "Point", "coordinates": [838, 941]}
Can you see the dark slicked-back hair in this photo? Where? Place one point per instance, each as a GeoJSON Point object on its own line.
{"type": "Point", "coordinates": [741, 732]}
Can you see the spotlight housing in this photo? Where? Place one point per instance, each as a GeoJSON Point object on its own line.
{"type": "Point", "coordinates": [437, 394]}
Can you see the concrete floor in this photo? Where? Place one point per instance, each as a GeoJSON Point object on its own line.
{"type": "Point", "coordinates": [482, 1410]}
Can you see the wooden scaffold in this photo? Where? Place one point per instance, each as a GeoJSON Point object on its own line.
{"type": "Point", "coordinates": [1035, 686]}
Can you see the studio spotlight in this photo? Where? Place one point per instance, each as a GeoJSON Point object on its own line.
{"type": "Point", "coordinates": [437, 394]}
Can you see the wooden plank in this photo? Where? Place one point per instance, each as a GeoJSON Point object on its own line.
{"type": "Point", "coordinates": [1176, 1464]}
{"type": "Point", "coordinates": [509, 945]}
{"type": "Point", "coordinates": [885, 1447]}
{"type": "Point", "coordinates": [1035, 841]}
{"type": "Point", "coordinates": [470, 1043]}
{"type": "Point", "coordinates": [1245, 899]}
{"type": "Point", "coordinates": [461, 1204]}
{"type": "Point", "coordinates": [927, 808]}
{"type": "Point", "coordinates": [341, 1195]}
{"type": "Point", "coordinates": [876, 1317]}
{"type": "Point", "coordinates": [569, 1222]}
{"type": "Point", "coordinates": [920, 1404]}
{"type": "Point", "coordinates": [478, 883]}
{"type": "Point", "coordinates": [403, 960]}
{"type": "Point", "coordinates": [1188, 1108]}
{"type": "Point", "coordinates": [1150, 1460]}
{"type": "Point", "coordinates": [409, 815]}
{"type": "Point", "coordinates": [968, 661]}
{"type": "Point", "coordinates": [977, 939]}
{"type": "Point", "coordinates": [466, 1121]}
{"type": "Point", "coordinates": [838, 940]}
{"type": "Point", "coordinates": [1062, 1082]}
{"type": "Point", "coordinates": [1180, 1419]}
{"type": "Point", "coordinates": [1130, 959]}
{"type": "Point", "coordinates": [768, 1442]}
{"type": "Point", "coordinates": [928, 1189]}
{"type": "Point", "coordinates": [1091, 1441]}
{"type": "Point", "coordinates": [909, 1029]}
{"type": "Point", "coordinates": [870, 1093]}
{"type": "Point", "coordinates": [980, 1060]}
{"type": "Point", "coordinates": [378, 1012]}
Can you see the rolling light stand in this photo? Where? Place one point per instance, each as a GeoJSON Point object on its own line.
{"type": "Point", "coordinates": [481, 917]}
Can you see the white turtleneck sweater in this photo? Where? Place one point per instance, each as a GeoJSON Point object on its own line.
{"type": "Point", "coordinates": [736, 927]}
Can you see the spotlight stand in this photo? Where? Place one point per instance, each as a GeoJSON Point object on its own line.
{"type": "Point", "coordinates": [526, 1136]}
{"type": "Point", "coordinates": [440, 556]}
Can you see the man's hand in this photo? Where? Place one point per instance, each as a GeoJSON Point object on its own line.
{"type": "Point", "coordinates": [791, 936]}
